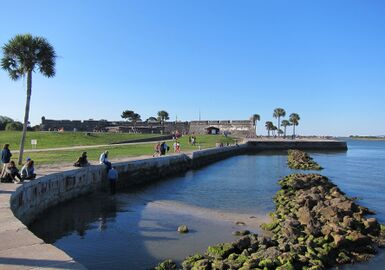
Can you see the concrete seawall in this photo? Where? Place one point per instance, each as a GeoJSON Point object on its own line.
{"type": "Point", "coordinates": [31, 199]}
{"type": "Point", "coordinates": [320, 145]}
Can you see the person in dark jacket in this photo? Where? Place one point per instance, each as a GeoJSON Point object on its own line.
{"type": "Point", "coordinates": [5, 158]}
{"type": "Point", "coordinates": [82, 161]}
{"type": "Point", "coordinates": [12, 174]}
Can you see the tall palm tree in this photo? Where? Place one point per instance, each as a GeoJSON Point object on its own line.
{"type": "Point", "coordinates": [269, 126]}
{"type": "Point", "coordinates": [278, 113]}
{"type": "Point", "coordinates": [285, 123]}
{"type": "Point", "coordinates": [274, 129]}
{"type": "Point", "coordinates": [255, 119]}
{"type": "Point", "coordinates": [163, 116]}
{"type": "Point", "coordinates": [294, 118]}
{"type": "Point", "coordinates": [23, 55]}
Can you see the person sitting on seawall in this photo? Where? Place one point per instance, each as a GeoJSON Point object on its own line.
{"type": "Point", "coordinates": [112, 178]}
{"type": "Point", "coordinates": [12, 174]}
{"type": "Point", "coordinates": [104, 160]}
{"type": "Point", "coordinates": [5, 158]}
{"type": "Point", "coordinates": [82, 161]}
{"type": "Point", "coordinates": [28, 171]}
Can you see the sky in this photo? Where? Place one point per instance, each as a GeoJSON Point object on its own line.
{"type": "Point", "coordinates": [322, 59]}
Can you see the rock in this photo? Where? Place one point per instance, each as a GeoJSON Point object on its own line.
{"type": "Point", "coordinates": [183, 229]}
{"type": "Point", "coordinates": [203, 264]}
{"type": "Point", "coordinates": [304, 215]}
{"type": "Point", "coordinates": [338, 239]}
{"type": "Point", "coordinates": [188, 263]}
{"type": "Point", "coordinates": [240, 223]}
{"type": "Point", "coordinates": [221, 250]}
{"type": "Point", "coordinates": [372, 226]}
{"type": "Point", "coordinates": [166, 265]}
{"type": "Point", "coordinates": [242, 243]}
{"type": "Point", "coordinates": [241, 233]}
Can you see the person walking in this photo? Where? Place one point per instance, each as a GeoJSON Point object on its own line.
{"type": "Point", "coordinates": [112, 179]}
{"type": "Point", "coordinates": [5, 158]}
{"type": "Point", "coordinates": [156, 150]}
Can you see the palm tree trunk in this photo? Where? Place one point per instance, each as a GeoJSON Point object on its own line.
{"type": "Point", "coordinates": [293, 131]}
{"type": "Point", "coordinates": [26, 116]}
{"type": "Point", "coordinates": [279, 127]}
{"type": "Point", "coordinates": [284, 135]}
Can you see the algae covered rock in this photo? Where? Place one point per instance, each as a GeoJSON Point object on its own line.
{"type": "Point", "coordinates": [166, 265]}
{"type": "Point", "coordinates": [300, 160]}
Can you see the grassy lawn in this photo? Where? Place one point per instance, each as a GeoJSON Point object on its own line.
{"type": "Point", "coordinates": [66, 139]}
{"type": "Point", "coordinates": [116, 151]}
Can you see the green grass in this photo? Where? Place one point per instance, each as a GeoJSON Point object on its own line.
{"type": "Point", "coordinates": [116, 151]}
{"type": "Point", "coordinates": [66, 139]}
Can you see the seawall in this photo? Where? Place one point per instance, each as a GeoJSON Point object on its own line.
{"type": "Point", "coordinates": [318, 145]}
{"type": "Point", "coordinates": [31, 199]}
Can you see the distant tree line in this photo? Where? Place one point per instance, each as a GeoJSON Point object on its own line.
{"type": "Point", "coordinates": [135, 117]}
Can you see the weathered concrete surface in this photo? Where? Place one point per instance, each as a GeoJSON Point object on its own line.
{"type": "Point", "coordinates": [301, 144]}
{"type": "Point", "coordinates": [20, 249]}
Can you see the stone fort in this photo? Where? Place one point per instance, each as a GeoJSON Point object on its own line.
{"type": "Point", "coordinates": [241, 128]}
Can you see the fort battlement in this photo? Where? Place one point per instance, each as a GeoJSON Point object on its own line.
{"type": "Point", "coordinates": [244, 128]}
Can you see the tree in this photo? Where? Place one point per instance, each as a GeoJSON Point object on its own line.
{"type": "Point", "coordinates": [285, 123]}
{"type": "Point", "coordinates": [255, 118]}
{"type": "Point", "coordinates": [294, 118]}
{"type": "Point", "coordinates": [151, 119]}
{"type": "Point", "coordinates": [127, 114]}
{"type": "Point", "coordinates": [135, 118]}
{"type": "Point", "coordinates": [22, 55]}
{"type": "Point", "coordinates": [269, 126]}
{"type": "Point", "coordinates": [278, 113]}
{"type": "Point", "coordinates": [163, 116]}
{"type": "Point", "coordinates": [15, 126]}
{"type": "Point", "coordinates": [274, 129]}
{"type": "Point", "coordinates": [4, 120]}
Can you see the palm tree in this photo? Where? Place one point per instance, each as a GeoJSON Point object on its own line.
{"type": "Point", "coordinates": [278, 113]}
{"type": "Point", "coordinates": [269, 126]}
{"type": "Point", "coordinates": [274, 128]}
{"type": "Point", "coordinates": [163, 116]}
{"type": "Point", "coordinates": [22, 55]}
{"type": "Point", "coordinates": [285, 123]}
{"type": "Point", "coordinates": [294, 118]}
{"type": "Point", "coordinates": [255, 119]}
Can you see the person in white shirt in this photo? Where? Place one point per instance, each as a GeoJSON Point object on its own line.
{"type": "Point", "coordinates": [104, 160]}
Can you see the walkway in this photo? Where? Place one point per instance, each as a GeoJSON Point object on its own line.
{"type": "Point", "coordinates": [19, 248]}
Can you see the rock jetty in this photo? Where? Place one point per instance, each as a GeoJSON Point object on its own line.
{"type": "Point", "coordinates": [299, 160]}
{"type": "Point", "coordinates": [315, 226]}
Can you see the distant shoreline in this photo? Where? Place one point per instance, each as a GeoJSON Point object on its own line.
{"type": "Point", "coordinates": [367, 138]}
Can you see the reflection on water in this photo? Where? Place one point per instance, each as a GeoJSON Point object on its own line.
{"type": "Point", "coordinates": [137, 228]}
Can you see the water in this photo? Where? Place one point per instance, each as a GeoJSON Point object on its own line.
{"type": "Point", "coordinates": [137, 228]}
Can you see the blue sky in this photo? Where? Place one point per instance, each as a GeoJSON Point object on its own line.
{"type": "Point", "coordinates": [324, 60]}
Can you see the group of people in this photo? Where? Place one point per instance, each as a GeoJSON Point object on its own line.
{"type": "Point", "coordinates": [112, 173]}
{"type": "Point", "coordinates": [10, 173]}
{"type": "Point", "coordinates": [161, 149]}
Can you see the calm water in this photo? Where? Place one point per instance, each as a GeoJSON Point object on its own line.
{"type": "Point", "coordinates": [137, 228]}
